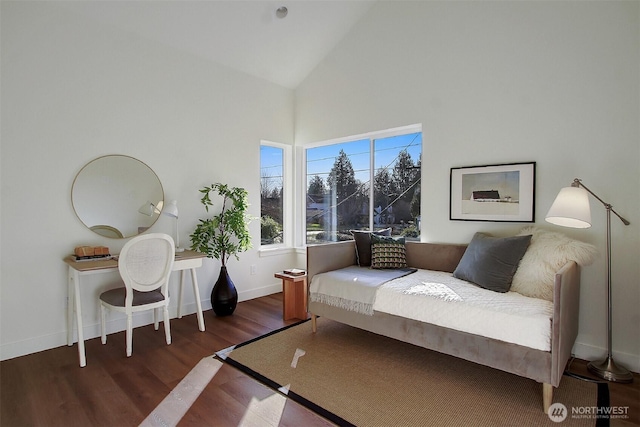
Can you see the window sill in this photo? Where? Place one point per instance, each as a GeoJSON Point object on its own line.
{"type": "Point", "coordinates": [280, 250]}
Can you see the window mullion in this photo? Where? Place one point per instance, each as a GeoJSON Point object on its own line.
{"type": "Point", "coordinates": [371, 180]}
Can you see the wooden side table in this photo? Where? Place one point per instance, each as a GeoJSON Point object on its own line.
{"type": "Point", "coordinates": [294, 289]}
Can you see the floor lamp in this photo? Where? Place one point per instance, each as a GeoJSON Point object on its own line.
{"type": "Point", "coordinates": [571, 209]}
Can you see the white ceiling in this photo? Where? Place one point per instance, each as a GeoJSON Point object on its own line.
{"type": "Point", "coordinates": [244, 35]}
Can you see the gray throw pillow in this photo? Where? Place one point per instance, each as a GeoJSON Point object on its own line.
{"type": "Point", "coordinates": [491, 262]}
{"type": "Point", "coordinates": [363, 244]}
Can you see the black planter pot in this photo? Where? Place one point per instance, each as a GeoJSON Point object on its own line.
{"type": "Point", "coordinates": [224, 296]}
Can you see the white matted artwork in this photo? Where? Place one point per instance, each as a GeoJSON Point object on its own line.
{"type": "Point", "coordinates": [503, 192]}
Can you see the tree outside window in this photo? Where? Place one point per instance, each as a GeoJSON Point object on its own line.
{"type": "Point", "coordinates": [271, 195]}
{"type": "Point", "coordinates": [338, 187]}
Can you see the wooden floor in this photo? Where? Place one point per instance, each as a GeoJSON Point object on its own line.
{"type": "Point", "coordinates": [50, 389]}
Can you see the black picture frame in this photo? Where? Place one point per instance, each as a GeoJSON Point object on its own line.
{"type": "Point", "coordinates": [496, 193]}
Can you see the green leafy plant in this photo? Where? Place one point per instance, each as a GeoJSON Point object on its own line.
{"type": "Point", "coordinates": [410, 231]}
{"type": "Point", "coordinates": [226, 233]}
{"type": "Point", "coordinates": [269, 229]}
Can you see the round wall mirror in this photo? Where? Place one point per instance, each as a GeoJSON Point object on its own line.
{"type": "Point", "coordinates": [117, 196]}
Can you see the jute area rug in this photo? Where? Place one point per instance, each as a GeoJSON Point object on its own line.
{"type": "Point", "coordinates": [353, 377]}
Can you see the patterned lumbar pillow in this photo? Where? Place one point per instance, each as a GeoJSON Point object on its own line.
{"type": "Point", "coordinates": [387, 252]}
{"type": "Point", "coordinates": [546, 254]}
{"type": "Point", "coordinates": [363, 244]}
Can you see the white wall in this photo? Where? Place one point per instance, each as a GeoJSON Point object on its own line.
{"type": "Point", "coordinates": [491, 82]}
{"type": "Point", "coordinates": [74, 90]}
{"type": "Point", "coordinates": [495, 82]}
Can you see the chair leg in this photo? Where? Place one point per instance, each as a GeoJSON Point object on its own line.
{"type": "Point", "coordinates": [167, 326]}
{"type": "Point", "coordinates": [156, 323]}
{"type": "Point", "coordinates": [129, 334]}
{"type": "Point", "coordinates": [103, 328]}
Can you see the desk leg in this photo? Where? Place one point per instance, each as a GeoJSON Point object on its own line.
{"type": "Point", "coordinates": [182, 273]}
{"type": "Point", "coordinates": [70, 303]}
{"type": "Point", "coordinates": [76, 297]}
{"type": "Point", "coordinates": [196, 292]}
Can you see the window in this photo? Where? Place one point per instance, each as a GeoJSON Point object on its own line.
{"type": "Point", "coordinates": [339, 193]}
{"type": "Point", "coordinates": [271, 194]}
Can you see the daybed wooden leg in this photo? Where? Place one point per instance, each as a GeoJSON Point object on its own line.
{"type": "Point", "coordinates": [314, 324]}
{"type": "Point", "coordinates": [547, 396]}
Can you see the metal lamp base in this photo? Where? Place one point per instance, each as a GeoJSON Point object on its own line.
{"type": "Point", "coordinates": [608, 370]}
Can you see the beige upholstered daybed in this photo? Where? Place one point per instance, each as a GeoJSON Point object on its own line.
{"type": "Point", "coordinates": [542, 362]}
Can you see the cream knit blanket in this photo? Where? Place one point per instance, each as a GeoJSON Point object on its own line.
{"type": "Point", "coordinates": [352, 288]}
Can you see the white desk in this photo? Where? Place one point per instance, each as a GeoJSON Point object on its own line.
{"type": "Point", "coordinates": [187, 260]}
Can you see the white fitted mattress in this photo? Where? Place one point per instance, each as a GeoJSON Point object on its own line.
{"type": "Point", "coordinates": [439, 298]}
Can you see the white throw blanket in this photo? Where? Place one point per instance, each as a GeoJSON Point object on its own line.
{"type": "Point", "coordinates": [352, 288]}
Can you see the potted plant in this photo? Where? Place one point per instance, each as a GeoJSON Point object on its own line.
{"type": "Point", "coordinates": [222, 236]}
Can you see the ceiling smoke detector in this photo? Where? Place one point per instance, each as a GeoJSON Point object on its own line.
{"type": "Point", "coordinates": [281, 12]}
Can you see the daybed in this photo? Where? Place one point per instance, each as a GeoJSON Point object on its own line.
{"type": "Point", "coordinates": [543, 366]}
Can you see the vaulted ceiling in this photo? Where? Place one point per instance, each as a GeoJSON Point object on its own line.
{"type": "Point", "coordinates": [245, 35]}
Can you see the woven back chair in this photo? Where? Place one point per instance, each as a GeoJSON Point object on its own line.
{"type": "Point", "coordinates": [145, 263]}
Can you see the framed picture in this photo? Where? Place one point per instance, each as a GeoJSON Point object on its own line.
{"type": "Point", "coordinates": [493, 193]}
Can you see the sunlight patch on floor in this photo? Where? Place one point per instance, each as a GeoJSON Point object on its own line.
{"type": "Point", "coordinates": [267, 411]}
{"type": "Point", "coordinates": [171, 410]}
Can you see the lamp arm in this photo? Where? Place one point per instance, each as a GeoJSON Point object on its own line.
{"type": "Point", "coordinates": [578, 183]}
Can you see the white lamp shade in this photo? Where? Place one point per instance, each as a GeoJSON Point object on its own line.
{"type": "Point", "coordinates": [571, 208]}
{"type": "Point", "coordinates": [171, 209]}
{"type": "Point", "coordinates": [146, 208]}
{"type": "Point", "coordinates": [149, 208]}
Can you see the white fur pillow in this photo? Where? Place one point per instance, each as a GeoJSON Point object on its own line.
{"type": "Point", "coordinates": [547, 252]}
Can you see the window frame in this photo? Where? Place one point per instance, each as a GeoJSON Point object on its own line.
{"type": "Point", "coordinates": [301, 161]}
{"type": "Point", "coordinates": [287, 197]}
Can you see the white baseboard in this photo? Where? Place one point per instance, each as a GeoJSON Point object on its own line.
{"type": "Point", "coordinates": [593, 353]}
{"type": "Point", "coordinates": [115, 324]}
{"type": "Point", "coordinates": [259, 292]}
{"type": "Point", "coordinates": [32, 345]}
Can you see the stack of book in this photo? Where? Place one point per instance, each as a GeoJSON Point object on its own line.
{"type": "Point", "coordinates": [294, 272]}
{"type": "Point", "coordinates": [87, 253]}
